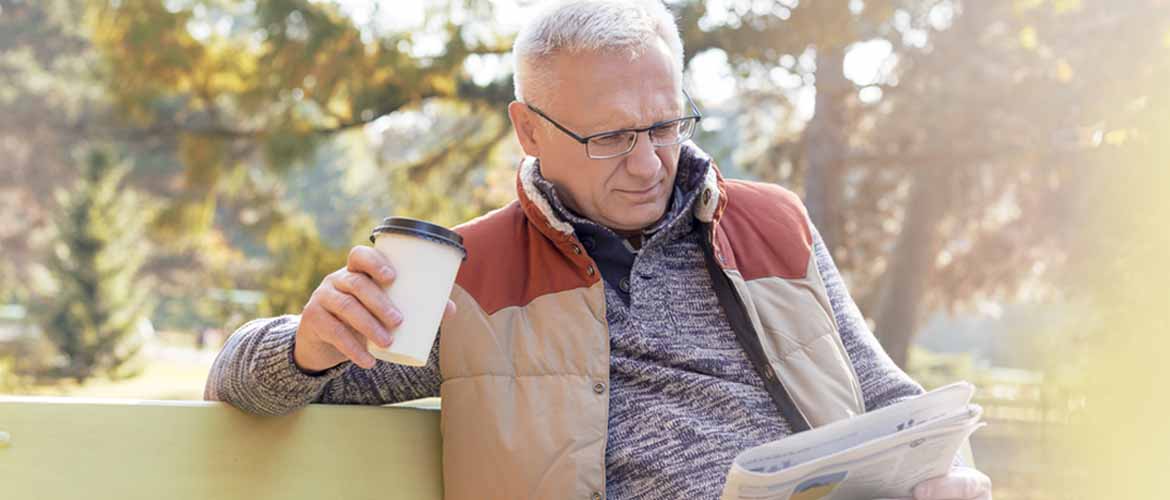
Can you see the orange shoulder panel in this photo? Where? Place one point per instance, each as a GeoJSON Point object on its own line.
{"type": "Point", "coordinates": [765, 231]}
{"type": "Point", "coordinates": [510, 263]}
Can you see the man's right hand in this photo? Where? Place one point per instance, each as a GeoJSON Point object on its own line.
{"type": "Point", "coordinates": [347, 309]}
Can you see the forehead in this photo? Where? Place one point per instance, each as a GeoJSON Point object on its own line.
{"type": "Point", "coordinates": [608, 90]}
{"type": "Point", "coordinates": [633, 109]}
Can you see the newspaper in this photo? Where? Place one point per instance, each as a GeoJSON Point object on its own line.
{"type": "Point", "coordinates": [880, 454]}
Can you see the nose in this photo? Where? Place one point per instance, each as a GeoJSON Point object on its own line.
{"type": "Point", "coordinates": [643, 161]}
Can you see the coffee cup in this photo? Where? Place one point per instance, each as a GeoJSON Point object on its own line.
{"type": "Point", "coordinates": [426, 257]}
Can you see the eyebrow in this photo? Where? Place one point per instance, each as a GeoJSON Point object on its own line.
{"type": "Point", "coordinates": [628, 123]}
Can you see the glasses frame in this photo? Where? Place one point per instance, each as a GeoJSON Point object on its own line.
{"type": "Point", "coordinates": [584, 140]}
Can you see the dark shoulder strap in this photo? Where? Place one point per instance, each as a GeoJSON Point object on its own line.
{"type": "Point", "coordinates": [737, 315]}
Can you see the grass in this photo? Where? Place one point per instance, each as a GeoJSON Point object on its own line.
{"type": "Point", "coordinates": [171, 370]}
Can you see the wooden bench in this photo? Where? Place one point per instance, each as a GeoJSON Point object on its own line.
{"type": "Point", "coordinates": [65, 448]}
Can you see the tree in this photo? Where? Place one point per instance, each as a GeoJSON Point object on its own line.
{"type": "Point", "coordinates": [992, 132]}
{"type": "Point", "coordinates": [250, 93]}
{"type": "Point", "coordinates": [46, 102]}
{"type": "Point", "coordinates": [937, 183]}
{"type": "Point", "coordinates": [949, 187]}
{"type": "Point", "coordinates": [95, 312]}
{"type": "Point", "coordinates": [810, 40]}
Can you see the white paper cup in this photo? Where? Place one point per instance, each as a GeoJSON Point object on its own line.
{"type": "Point", "coordinates": [426, 258]}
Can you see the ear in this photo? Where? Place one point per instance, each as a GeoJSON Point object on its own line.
{"type": "Point", "coordinates": [524, 123]}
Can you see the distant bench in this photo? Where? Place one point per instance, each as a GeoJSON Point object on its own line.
{"type": "Point", "coordinates": [65, 448]}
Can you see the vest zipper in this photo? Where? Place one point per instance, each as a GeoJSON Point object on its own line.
{"type": "Point", "coordinates": [749, 339]}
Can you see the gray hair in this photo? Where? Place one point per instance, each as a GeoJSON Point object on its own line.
{"type": "Point", "coordinates": [574, 26]}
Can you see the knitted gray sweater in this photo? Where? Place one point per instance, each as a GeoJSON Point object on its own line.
{"type": "Point", "coordinates": [684, 399]}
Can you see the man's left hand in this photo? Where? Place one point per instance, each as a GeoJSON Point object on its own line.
{"type": "Point", "coordinates": [961, 483]}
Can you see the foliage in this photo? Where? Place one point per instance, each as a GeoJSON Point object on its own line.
{"type": "Point", "coordinates": [279, 130]}
{"type": "Point", "coordinates": [95, 314]}
{"type": "Point", "coordinates": [251, 94]}
{"type": "Point", "coordinates": [944, 179]}
{"type": "Point", "coordinates": [281, 79]}
{"type": "Point", "coordinates": [300, 261]}
{"type": "Point", "coordinates": [47, 96]}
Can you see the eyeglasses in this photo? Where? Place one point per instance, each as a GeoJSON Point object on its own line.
{"type": "Point", "coordinates": [615, 143]}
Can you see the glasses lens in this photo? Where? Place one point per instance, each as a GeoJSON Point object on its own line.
{"type": "Point", "coordinates": [672, 133]}
{"type": "Point", "coordinates": [611, 145]}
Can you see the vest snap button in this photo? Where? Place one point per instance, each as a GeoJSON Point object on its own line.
{"type": "Point", "coordinates": [624, 284]}
{"type": "Point", "coordinates": [599, 388]}
{"type": "Point", "coordinates": [771, 375]}
{"type": "Point", "coordinates": [596, 495]}
{"type": "Point", "coordinates": [706, 196]}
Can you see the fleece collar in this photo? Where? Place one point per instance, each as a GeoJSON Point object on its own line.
{"type": "Point", "coordinates": [696, 171]}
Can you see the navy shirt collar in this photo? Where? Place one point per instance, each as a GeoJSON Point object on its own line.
{"type": "Point", "coordinates": [608, 249]}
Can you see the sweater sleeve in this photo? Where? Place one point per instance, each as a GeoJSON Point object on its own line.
{"type": "Point", "coordinates": [882, 382]}
{"type": "Point", "coordinates": [255, 372]}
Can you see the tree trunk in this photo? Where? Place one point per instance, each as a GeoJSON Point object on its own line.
{"type": "Point", "coordinates": [910, 265]}
{"type": "Point", "coordinates": [825, 147]}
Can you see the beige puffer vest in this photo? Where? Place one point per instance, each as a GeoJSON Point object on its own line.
{"type": "Point", "coordinates": [525, 362]}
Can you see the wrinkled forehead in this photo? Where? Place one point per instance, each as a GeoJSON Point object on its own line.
{"type": "Point", "coordinates": [632, 109]}
{"type": "Point", "coordinates": [606, 91]}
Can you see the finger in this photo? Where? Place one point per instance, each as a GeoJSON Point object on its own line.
{"type": "Point", "coordinates": [345, 340]}
{"type": "Point", "coordinates": [960, 484]}
{"type": "Point", "coordinates": [371, 296]}
{"type": "Point", "coordinates": [363, 259]}
{"type": "Point", "coordinates": [350, 310]}
{"type": "Point", "coordinates": [450, 309]}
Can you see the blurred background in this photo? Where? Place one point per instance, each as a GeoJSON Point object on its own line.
{"type": "Point", "coordinates": [992, 176]}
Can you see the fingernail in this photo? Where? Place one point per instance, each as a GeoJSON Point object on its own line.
{"type": "Point", "coordinates": [396, 317]}
{"type": "Point", "coordinates": [384, 336]}
{"type": "Point", "coordinates": [387, 273]}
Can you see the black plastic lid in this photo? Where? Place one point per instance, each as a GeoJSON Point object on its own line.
{"type": "Point", "coordinates": [421, 229]}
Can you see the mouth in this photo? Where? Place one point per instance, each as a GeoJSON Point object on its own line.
{"type": "Point", "coordinates": [642, 193]}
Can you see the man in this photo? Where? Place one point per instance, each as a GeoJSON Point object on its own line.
{"type": "Point", "coordinates": [627, 326]}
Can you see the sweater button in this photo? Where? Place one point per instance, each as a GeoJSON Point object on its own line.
{"type": "Point", "coordinates": [596, 495]}
{"type": "Point", "coordinates": [590, 271]}
{"type": "Point", "coordinates": [599, 388]}
{"type": "Point", "coordinates": [576, 249]}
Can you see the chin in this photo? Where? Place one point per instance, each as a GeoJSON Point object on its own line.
{"type": "Point", "coordinates": [637, 218]}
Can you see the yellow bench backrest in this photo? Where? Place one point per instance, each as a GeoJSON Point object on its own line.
{"type": "Point", "coordinates": [60, 448]}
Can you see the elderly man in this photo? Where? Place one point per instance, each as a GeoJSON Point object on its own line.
{"type": "Point", "coordinates": [627, 326]}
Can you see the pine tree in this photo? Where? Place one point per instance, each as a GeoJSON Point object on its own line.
{"type": "Point", "coordinates": [100, 246]}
